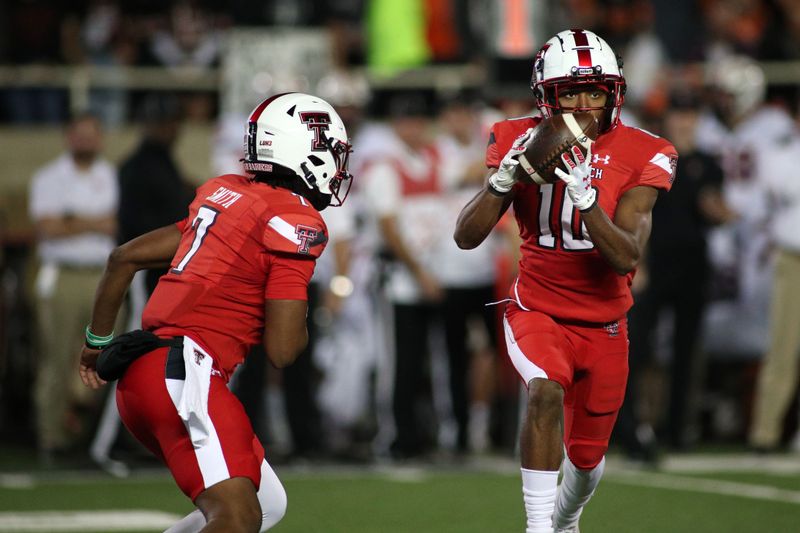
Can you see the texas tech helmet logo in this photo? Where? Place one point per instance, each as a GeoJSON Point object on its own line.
{"type": "Point", "coordinates": [317, 121]}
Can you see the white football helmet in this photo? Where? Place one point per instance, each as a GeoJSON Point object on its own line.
{"type": "Point", "coordinates": [743, 79]}
{"type": "Point", "coordinates": [304, 134]}
{"type": "Point", "coordinates": [575, 58]}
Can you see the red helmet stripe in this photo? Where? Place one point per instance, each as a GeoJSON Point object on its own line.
{"type": "Point", "coordinates": [262, 106]}
{"type": "Point", "coordinates": [584, 54]}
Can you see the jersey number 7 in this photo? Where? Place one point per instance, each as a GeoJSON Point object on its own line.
{"type": "Point", "coordinates": [205, 218]}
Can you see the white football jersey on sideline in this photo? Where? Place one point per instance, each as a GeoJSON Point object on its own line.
{"type": "Point", "coordinates": [739, 326]}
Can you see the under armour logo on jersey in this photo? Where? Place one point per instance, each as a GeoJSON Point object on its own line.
{"type": "Point", "coordinates": [597, 159]}
{"type": "Point", "coordinates": [307, 237]}
{"type": "Point", "coordinates": [198, 356]}
{"type": "Point", "coordinates": [318, 122]}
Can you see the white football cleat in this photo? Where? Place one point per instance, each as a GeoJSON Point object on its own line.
{"type": "Point", "coordinates": [571, 529]}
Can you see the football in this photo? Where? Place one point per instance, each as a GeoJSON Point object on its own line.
{"type": "Point", "coordinates": [550, 138]}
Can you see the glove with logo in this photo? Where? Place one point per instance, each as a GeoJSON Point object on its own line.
{"type": "Point", "coordinates": [503, 180]}
{"type": "Point", "coordinates": [579, 178]}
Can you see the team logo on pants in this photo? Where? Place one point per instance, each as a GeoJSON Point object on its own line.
{"type": "Point", "coordinates": [612, 328]}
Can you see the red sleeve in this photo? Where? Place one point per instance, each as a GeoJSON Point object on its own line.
{"type": "Point", "coordinates": [181, 224]}
{"type": "Point", "coordinates": [303, 234]}
{"type": "Point", "coordinates": [288, 277]}
{"type": "Point", "coordinates": [493, 156]}
{"type": "Point", "coordinates": [659, 171]}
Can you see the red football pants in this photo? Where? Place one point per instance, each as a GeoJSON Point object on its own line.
{"type": "Point", "coordinates": [591, 364]}
{"type": "Point", "coordinates": [149, 413]}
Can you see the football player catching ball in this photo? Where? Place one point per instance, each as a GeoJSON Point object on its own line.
{"type": "Point", "coordinates": [583, 237]}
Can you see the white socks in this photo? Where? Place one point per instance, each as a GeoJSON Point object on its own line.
{"type": "Point", "coordinates": [539, 495]}
{"type": "Point", "coordinates": [577, 487]}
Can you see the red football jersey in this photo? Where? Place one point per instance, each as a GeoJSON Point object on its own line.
{"type": "Point", "coordinates": [243, 242]}
{"type": "Point", "coordinates": [561, 273]}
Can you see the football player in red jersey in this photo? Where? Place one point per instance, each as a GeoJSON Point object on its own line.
{"type": "Point", "coordinates": [582, 239]}
{"type": "Point", "coordinates": [239, 265]}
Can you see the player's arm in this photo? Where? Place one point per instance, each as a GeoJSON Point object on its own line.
{"type": "Point", "coordinates": [151, 250]}
{"type": "Point", "coordinates": [64, 226]}
{"type": "Point", "coordinates": [286, 293]}
{"type": "Point", "coordinates": [428, 284]}
{"type": "Point", "coordinates": [622, 242]}
{"type": "Point", "coordinates": [480, 215]}
{"type": "Point", "coordinates": [285, 331]}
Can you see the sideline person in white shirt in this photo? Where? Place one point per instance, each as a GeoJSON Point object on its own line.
{"type": "Point", "coordinates": [72, 203]}
{"type": "Point", "coordinates": [776, 387]}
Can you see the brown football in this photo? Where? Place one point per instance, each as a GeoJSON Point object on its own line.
{"type": "Point", "coordinates": [550, 138]}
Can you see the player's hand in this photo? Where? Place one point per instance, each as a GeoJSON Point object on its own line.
{"type": "Point", "coordinates": [87, 368]}
{"type": "Point", "coordinates": [504, 179]}
{"type": "Point", "coordinates": [579, 178]}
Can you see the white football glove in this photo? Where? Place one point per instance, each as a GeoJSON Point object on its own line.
{"type": "Point", "coordinates": [503, 180]}
{"type": "Point", "coordinates": [579, 178]}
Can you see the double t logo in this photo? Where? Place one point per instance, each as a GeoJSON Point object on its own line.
{"type": "Point", "coordinates": [317, 121]}
{"type": "Point", "coordinates": [306, 235]}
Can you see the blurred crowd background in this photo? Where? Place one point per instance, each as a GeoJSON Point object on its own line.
{"type": "Point", "coordinates": [111, 112]}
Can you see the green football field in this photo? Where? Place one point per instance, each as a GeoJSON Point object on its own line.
{"type": "Point", "coordinates": [726, 494]}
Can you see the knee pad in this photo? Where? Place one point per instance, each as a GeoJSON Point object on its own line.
{"type": "Point", "coordinates": [271, 497]}
{"type": "Point", "coordinates": [586, 456]}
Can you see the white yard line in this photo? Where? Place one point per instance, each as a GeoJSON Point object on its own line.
{"type": "Point", "coordinates": [85, 521]}
{"type": "Point", "coordinates": [706, 486]}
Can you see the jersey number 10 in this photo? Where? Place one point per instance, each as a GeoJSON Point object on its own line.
{"type": "Point", "coordinates": [574, 236]}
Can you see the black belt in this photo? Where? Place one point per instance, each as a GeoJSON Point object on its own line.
{"type": "Point", "coordinates": [175, 367]}
{"type": "Point", "coordinates": [115, 358]}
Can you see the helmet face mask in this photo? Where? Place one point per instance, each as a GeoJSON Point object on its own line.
{"type": "Point", "coordinates": [305, 135]}
{"type": "Point", "coordinates": [576, 61]}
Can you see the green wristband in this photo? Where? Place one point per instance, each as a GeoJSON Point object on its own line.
{"type": "Point", "coordinates": [96, 341]}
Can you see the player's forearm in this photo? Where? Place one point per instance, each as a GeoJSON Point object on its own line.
{"type": "Point", "coordinates": [478, 218]}
{"type": "Point", "coordinates": [110, 293]}
{"type": "Point", "coordinates": [394, 242]}
{"type": "Point", "coordinates": [55, 227]}
{"type": "Point", "coordinates": [620, 248]}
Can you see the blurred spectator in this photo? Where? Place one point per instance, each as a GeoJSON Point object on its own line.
{"type": "Point", "coordinates": [346, 348]}
{"type": "Point", "coordinates": [679, 28]}
{"type": "Point", "coordinates": [741, 132]}
{"type": "Point", "coordinates": [345, 22]}
{"type": "Point", "coordinates": [735, 27]}
{"type": "Point", "coordinates": [37, 36]}
{"type": "Point", "coordinates": [190, 39]}
{"type": "Point", "coordinates": [152, 192]}
{"type": "Point", "coordinates": [676, 278]}
{"type": "Point", "coordinates": [109, 40]}
{"type": "Point", "coordinates": [73, 202]}
{"type": "Point", "coordinates": [468, 277]}
{"type": "Point", "coordinates": [403, 189]}
{"type": "Point", "coordinates": [777, 380]}
{"type": "Point", "coordinates": [628, 27]}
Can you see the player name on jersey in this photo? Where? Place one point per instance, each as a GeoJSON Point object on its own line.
{"type": "Point", "coordinates": [224, 197]}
